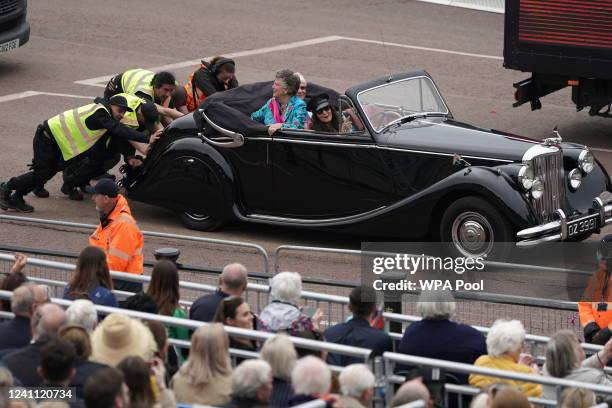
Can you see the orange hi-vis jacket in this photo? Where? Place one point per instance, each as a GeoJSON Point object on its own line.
{"type": "Point", "coordinates": [121, 240]}
{"type": "Point", "coordinates": [195, 96]}
{"type": "Point", "coordinates": [596, 303]}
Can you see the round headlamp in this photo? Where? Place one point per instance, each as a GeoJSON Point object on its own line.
{"type": "Point", "coordinates": [526, 177]}
{"type": "Point", "coordinates": [537, 189]}
{"type": "Point", "coordinates": [574, 178]}
{"type": "Point", "coordinates": [586, 161]}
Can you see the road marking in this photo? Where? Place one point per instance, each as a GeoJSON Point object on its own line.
{"type": "Point", "coordinates": [27, 94]}
{"type": "Point", "coordinates": [195, 62]}
{"type": "Point", "coordinates": [596, 149]}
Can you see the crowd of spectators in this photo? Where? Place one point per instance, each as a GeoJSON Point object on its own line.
{"type": "Point", "coordinates": [121, 361]}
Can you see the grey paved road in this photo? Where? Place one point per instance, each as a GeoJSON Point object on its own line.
{"type": "Point", "coordinates": [460, 48]}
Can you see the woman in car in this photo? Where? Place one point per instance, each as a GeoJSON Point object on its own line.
{"type": "Point", "coordinates": [284, 109]}
{"type": "Point", "coordinates": [325, 118]}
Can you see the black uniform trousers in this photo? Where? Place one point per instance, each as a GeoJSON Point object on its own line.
{"type": "Point", "coordinates": [46, 163]}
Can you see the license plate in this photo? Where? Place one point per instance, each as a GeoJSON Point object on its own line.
{"type": "Point", "coordinates": [582, 225]}
{"type": "Point", "coordinates": [9, 45]}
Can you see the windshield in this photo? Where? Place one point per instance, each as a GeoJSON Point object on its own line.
{"type": "Point", "coordinates": [390, 102]}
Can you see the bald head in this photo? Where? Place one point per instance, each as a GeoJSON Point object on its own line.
{"type": "Point", "coordinates": [411, 391]}
{"type": "Point", "coordinates": [233, 279]}
{"type": "Point", "coordinates": [47, 320]}
{"type": "Point", "coordinates": [22, 302]}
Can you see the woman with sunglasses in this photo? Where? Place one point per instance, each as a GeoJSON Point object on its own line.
{"type": "Point", "coordinates": [234, 311]}
{"type": "Point", "coordinates": [325, 118]}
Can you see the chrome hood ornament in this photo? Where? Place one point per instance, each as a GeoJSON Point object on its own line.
{"type": "Point", "coordinates": [553, 141]}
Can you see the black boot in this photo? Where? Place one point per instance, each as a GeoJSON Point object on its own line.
{"type": "Point", "coordinates": [41, 192]}
{"type": "Point", "coordinates": [72, 192]}
{"type": "Point", "coordinates": [5, 194]}
{"type": "Point", "coordinates": [16, 202]}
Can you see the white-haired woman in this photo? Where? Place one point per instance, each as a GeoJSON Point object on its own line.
{"type": "Point", "coordinates": [284, 314]}
{"type": "Point", "coordinates": [205, 378]}
{"type": "Point", "coordinates": [505, 346]}
{"type": "Point", "coordinates": [431, 336]}
{"type": "Point", "coordinates": [311, 379]}
{"type": "Point", "coordinates": [565, 358]}
{"type": "Point", "coordinates": [279, 352]}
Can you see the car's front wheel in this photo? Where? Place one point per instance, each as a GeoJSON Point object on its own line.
{"type": "Point", "coordinates": [200, 222]}
{"type": "Point", "coordinates": [472, 227]}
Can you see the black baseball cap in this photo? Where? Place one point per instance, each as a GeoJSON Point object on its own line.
{"type": "Point", "coordinates": [318, 102]}
{"type": "Point", "coordinates": [106, 187]}
{"type": "Point", "coordinates": [119, 100]}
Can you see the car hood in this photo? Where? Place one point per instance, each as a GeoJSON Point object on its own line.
{"type": "Point", "coordinates": [449, 136]}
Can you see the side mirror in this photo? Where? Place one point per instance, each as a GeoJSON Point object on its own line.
{"type": "Point", "coordinates": [230, 139]}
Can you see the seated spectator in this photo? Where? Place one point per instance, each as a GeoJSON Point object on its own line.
{"type": "Point", "coordinates": [232, 282]}
{"type": "Point", "coordinates": [504, 345]}
{"type": "Point", "coordinates": [92, 278]}
{"type": "Point", "coordinates": [57, 366]}
{"type": "Point", "coordinates": [432, 336]}
{"type": "Point", "coordinates": [357, 331]}
{"type": "Point", "coordinates": [325, 117]}
{"type": "Point", "coordinates": [23, 363]}
{"type": "Point", "coordinates": [13, 280]}
{"type": "Point", "coordinates": [283, 313]}
{"type": "Point", "coordinates": [137, 374]}
{"type": "Point", "coordinates": [79, 338]}
{"type": "Point", "coordinates": [212, 76]}
{"type": "Point", "coordinates": [17, 332]}
{"type": "Point", "coordinates": [577, 398]}
{"type": "Point", "coordinates": [164, 352]}
{"type": "Point", "coordinates": [510, 398]}
{"type": "Point", "coordinates": [82, 313]}
{"type": "Point", "coordinates": [164, 290]}
{"type": "Point", "coordinates": [410, 391]}
{"type": "Point", "coordinates": [284, 109]}
{"type": "Point", "coordinates": [119, 336]}
{"type": "Point", "coordinates": [301, 93]}
{"type": "Point", "coordinates": [251, 385]}
{"type": "Point", "coordinates": [234, 311]}
{"type": "Point", "coordinates": [279, 352]}
{"type": "Point", "coordinates": [565, 358]}
{"type": "Point", "coordinates": [205, 378]}
{"type": "Point", "coordinates": [357, 386]}
{"type": "Point", "coordinates": [106, 389]}
{"type": "Point", "coordinates": [311, 379]}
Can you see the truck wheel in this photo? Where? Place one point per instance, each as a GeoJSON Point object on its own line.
{"type": "Point", "coordinates": [200, 222]}
{"type": "Point", "coordinates": [472, 227]}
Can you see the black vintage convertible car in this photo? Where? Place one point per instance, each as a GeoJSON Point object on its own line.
{"type": "Point", "coordinates": [412, 172]}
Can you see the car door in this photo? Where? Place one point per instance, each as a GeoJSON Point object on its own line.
{"type": "Point", "coordinates": [322, 176]}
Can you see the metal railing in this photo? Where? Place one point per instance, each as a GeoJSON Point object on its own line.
{"type": "Point", "coordinates": [256, 247]}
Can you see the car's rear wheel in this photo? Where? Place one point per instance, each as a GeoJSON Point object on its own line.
{"type": "Point", "coordinates": [200, 222]}
{"type": "Point", "coordinates": [472, 227]}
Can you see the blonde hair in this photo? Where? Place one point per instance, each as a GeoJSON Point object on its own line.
{"type": "Point", "coordinates": [279, 352]}
{"type": "Point", "coordinates": [577, 398]}
{"type": "Point", "coordinates": [209, 355]}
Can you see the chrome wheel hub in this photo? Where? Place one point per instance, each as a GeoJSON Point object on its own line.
{"type": "Point", "coordinates": [472, 234]}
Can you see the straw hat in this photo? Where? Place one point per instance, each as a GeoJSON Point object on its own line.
{"type": "Point", "coordinates": [119, 336]}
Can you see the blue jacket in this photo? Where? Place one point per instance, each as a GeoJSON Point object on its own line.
{"type": "Point", "coordinates": [358, 333]}
{"type": "Point", "coordinates": [99, 295]}
{"type": "Point", "coordinates": [445, 340]}
{"type": "Point", "coordinates": [294, 117]}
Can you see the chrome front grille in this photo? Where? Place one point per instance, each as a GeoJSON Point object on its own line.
{"type": "Point", "coordinates": [548, 167]}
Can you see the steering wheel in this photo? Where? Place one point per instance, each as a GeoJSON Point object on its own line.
{"type": "Point", "coordinates": [378, 119]}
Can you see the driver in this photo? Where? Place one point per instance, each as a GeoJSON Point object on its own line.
{"type": "Point", "coordinates": [325, 117]}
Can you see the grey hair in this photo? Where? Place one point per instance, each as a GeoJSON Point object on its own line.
{"type": "Point", "coordinates": [280, 353]}
{"type": "Point", "coordinates": [480, 401]}
{"type": "Point", "coordinates": [286, 287]}
{"type": "Point", "coordinates": [410, 391]}
{"type": "Point", "coordinates": [505, 336]}
{"type": "Point", "coordinates": [289, 81]}
{"type": "Point", "coordinates": [302, 79]}
{"type": "Point", "coordinates": [311, 376]}
{"type": "Point", "coordinates": [22, 300]}
{"type": "Point", "coordinates": [355, 379]}
{"type": "Point", "coordinates": [47, 320]}
{"type": "Point", "coordinates": [83, 313]}
{"type": "Point", "coordinates": [234, 276]}
{"type": "Point", "coordinates": [436, 305]}
{"type": "Point", "coordinates": [561, 356]}
{"type": "Point", "coordinates": [249, 377]}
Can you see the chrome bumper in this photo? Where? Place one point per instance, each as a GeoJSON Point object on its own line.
{"type": "Point", "coordinates": [557, 230]}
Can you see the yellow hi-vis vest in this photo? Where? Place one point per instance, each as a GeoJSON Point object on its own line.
{"type": "Point", "coordinates": [72, 134]}
{"type": "Point", "coordinates": [137, 80]}
{"type": "Point", "coordinates": [130, 118]}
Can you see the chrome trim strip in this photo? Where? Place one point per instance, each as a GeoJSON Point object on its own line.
{"type": "Point", "coordinates": [444, 154]}
{"type": "Point", "coordinates": [396, 82]}
{"type": "Point", "coordinates": [314, 142]}
{"type": "Point", "coordinates": [601, 209]}
{"type": "Point", "coordinates": [563, 221]}
{"type": "Point", "coordinates": [539, 230]}
{"type": "Point", "coordinates": [307, 222]}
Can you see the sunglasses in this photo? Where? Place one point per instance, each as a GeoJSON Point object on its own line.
{"type": "Point", "coordinates": [320, 111]}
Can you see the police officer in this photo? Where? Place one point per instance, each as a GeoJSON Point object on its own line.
{"type": "Point", "coordinates": [143, 83]}
{"type": "Point", "coordinates": [596, 308]}
{"type": "Point", "coordinates": [64, 138]}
